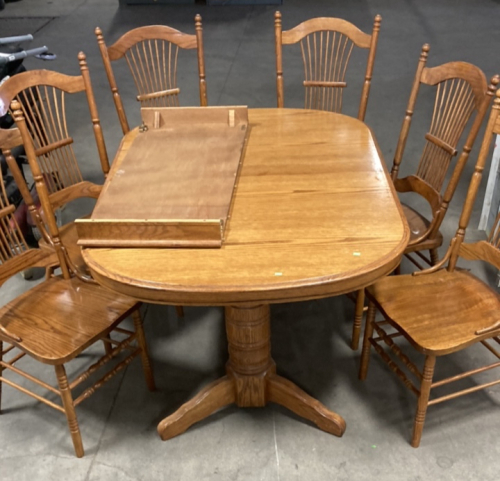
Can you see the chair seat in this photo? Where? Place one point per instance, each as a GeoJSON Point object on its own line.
{"type": "Point", "coordinates": [59, 318]}
{"type": "Point", "coordinates": [438, 313]}
{"type": "Point", "coordinates": [418, 225]}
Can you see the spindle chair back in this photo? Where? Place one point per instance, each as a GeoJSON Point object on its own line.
{"type": "Point", "coordinates": [41, 117]}
{"type": "Point", "coordinates": [326, 45]}
{"type": "Point", "coordinates": [462, 97]}
{"type": "Point", "coordinates": [151, 54]}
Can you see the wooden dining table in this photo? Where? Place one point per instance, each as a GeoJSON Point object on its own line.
{"type": "Point", "coordinates": [313, 215]}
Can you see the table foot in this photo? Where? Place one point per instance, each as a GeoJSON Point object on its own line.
{"type": "Point", "coordinates": [216, 395]}
{"type": "Point", "coordinates": [251, 380]}
{"type": "Point", "coordinates": [287, 394]}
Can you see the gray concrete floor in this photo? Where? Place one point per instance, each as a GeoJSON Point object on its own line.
{"type": "Point", "coordinates": [310, 339]}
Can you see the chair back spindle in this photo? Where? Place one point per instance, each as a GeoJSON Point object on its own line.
{"type": "Point", "coordinates": [41, 185]}
{"type": "Point", "coordinates": [45, 119]}
{"type": "Point", "coordinates": [12, 242]}
{"type": "Point", "coordinates": [15, 254]}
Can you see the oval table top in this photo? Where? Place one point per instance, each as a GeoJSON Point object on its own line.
{"type": "Point", "coordinates": [314, 214]}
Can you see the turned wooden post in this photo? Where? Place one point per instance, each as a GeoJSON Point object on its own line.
{"type": "Point", "coordinates": [248, 334]}
{"type": "Point", "coordinates": [69, 410]}
{"type": "Point", "coordinates": [112, 81]}
{"type": "Point", "coordinates": [423, 400]}
{"type": "Point", "coordinates": [141, 340]}
{"type": "Point", "coordinates": [201, 61]}
{"type": "Point", "coordinates": [279, 59]}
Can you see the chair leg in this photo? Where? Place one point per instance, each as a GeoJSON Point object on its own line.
{"type": "Point", "coordinates": [180, 311]}
{"type": "Point", "coordinates": [108, 347]}
{"type": "Point", "coordinates": [434, 256]}
{"type": "Point", "coordinates": [141, 339]}
{"type": "Point", "coordinates": [358, 318]}
{"type": "Point", "coordinates": [69, 409]}
{"type": "Point", "coordinates": [423, 400]}
{"type": "Point", "coordinates": [365, 352]}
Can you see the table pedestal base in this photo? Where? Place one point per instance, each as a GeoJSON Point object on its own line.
{"type": "Point", "coordinates": [251, 380]}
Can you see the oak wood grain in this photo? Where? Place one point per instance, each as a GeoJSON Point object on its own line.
{"type": "Point", "coordinates": [455, 328]}
{"type": "Point", "coordinates": [251, 379]}
{"type": "Point", "coordinates": [59, 318]}
{"type": "Point", "coordinates": [462, 98]}
{"type": "Point", "coordinates": [175, 184]}
{"type": "Point", "coordinates": [441, 311]}
{"type": "Point", "coordinates": [306, 175]}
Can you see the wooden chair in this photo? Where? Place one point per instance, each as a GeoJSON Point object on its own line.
{"type": "Point", "coordinates": [41, 99]}
{"type": "Point", "coordinates": [461, 93]}
{"type": "Point", "coordinates": [41, 95]}
{"type": "Point", "coordinates": [439, 311]}
{"type": "Point", "coordinates": [57, 320]}
{"type": "Point", "coordinates": [151, 53]}
{"type": "Point", "coordinates": [326, 45]}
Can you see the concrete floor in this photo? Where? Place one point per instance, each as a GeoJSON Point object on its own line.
{"type": "Point", "coordinates": [310, 338]}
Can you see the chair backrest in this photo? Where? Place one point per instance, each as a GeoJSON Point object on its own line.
{"type": "Point", "coordinates": [41, 95]}
{"type": "Point", "coordinates": [151, 54]}
{"type": "Point", "coordinates": [461, 90]}
{"type": "Point", "coordinates": [485, 250]}
{"type": "Point", "coordinates": [15, 254]}
{"type": "Point", "coordinates": [326, 45]}
{"type": "Point", "coordinates": [39, 110]}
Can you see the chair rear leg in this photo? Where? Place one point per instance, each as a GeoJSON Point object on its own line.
{"type": "Point", "coordinates": [141, 339]}
{"type": "Point", "coordinates": [69, 410]}
{"type": "Point", "coordinates": [434, 256]}
{"type": "Point", "coordinates": [358, 318]}
{"type": "Point", "coordinates": [365, 352]}
{"type": "Point", "coordinates": [180, 311]}
{"type": "Point", "coordinates": [423, 400]}
{"type": "Point", "coordinates": [108, 347]}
